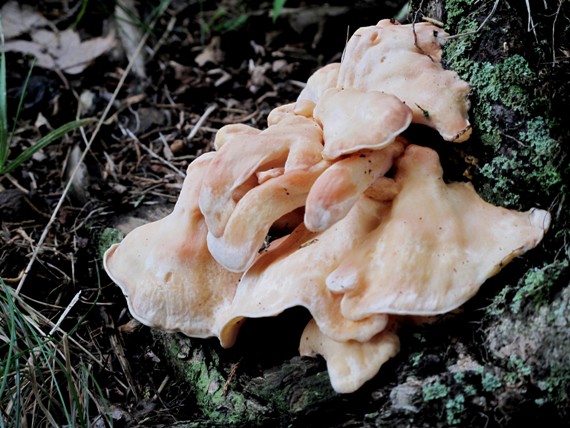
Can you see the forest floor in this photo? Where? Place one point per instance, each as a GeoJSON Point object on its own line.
{"type": "Point", "coordinates": [203, 64]}
{"type": "Point", "coordinates": [71, 353]}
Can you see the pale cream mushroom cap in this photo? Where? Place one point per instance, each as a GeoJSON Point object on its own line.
{"type": "Point", "coordinates": [169, 278]}
{"type": "Point", "coordinates": [255, 213]}
{"type": "Point", "coordinates": [292, 272]}
{"type": "Point", "coordinates": [354, 120]}
{"type": "Point", "coordinates": [350, 363]}
{"type": "Point", "coordinates": [293, 142]}
{"type": "Point", "coordinates": [341, 185]}
{"type": "Point", "coordinates": [321, 80]}
{"type": "Point", "coordinates": [404, 60]}
{"type": "Point", "coordinates": [234, 131]}
{"type": "Point", "coordinates": [290, 110]}
{"type": "Point", "coordinates": [383, 189]}
{"type": "Point", "coordinates": [437, 246]}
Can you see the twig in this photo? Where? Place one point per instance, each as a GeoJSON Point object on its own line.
{"type": "Point", "coordinates": [554, 30]}
{"type": "Point", "coordinates": [161, 388]}
{"type": "Point", "coordinates": [119, 351]}
{"type": "Point", "coordinates": [415, 34]}
{"type": "Point", "coordinates": [163, 38]}
{"type": "Point", "coordinates": [433, 21]}
{"type": "Point", "coordinates": [64, 313]}
{"type": "Point", "coordinates": [38, 317]}
{"type": "Point", "coordinates": [16, 279]}
{"type": "Point", "coordinates": [530, 23]}
{"type": "Point", "coordinates": [153, 154]}
{"type": "Point", "coordinates": [16, 184]}
{"type": "Point", "coordinates": [202, 119]}
{"type": "Point", "coordinates": [231, 375]}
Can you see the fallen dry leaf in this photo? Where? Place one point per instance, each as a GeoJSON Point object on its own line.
{"type": "Point", "coordinates": [62, 51]}
{"type": "Point", "coordinates": [20, 19]}
{"type": "Point", "coordinates": [211, 53]}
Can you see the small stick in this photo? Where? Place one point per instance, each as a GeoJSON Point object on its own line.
{"type": "Point", "coordinates": [64, 313]}
{"type": "Point", "coordinates": [154, 155]}
{"type": "Point", "coordinates": [202, 119]}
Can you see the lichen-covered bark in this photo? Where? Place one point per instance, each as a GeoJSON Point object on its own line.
{"type": "Point", "coordinates": [504, 357]}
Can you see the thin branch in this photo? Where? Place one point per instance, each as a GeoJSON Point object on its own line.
{"type": "Point", "coordinates": [153, 154]}
{"type": "Point", "coordinates": [200, 122]}
{"type": "Point", "coordinates": [64, 313]}
{"type": "Point", "coordinates": [554, 31]}
{"type": "Point", "coordinates": [530, 23]}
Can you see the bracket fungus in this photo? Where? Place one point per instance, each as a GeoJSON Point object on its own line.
{"type": "Point", "coordinates": [336, 191]}
{"type": "Point", "coordinates": [279, 279]}
{"type": "Point", "coordinates": [374, 233]}
{"type": "Point", "coordinates": [294, 142]}
{"type": "Point", "coordinates": [164, 268]}
{"type": "Point", "coordinates": [353, 120]}
{"type": "Point", "coordinates": [436, 246]}
{"type": "Point", "coordinates": [350, 363]}
{"type": "Point", "coordinates": [321, 80]}
{"type": "Point", "coordinates": [405, 60]}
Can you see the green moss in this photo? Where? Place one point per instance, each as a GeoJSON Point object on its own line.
{"type": "Point", "coordinates": [536, 284]}
{"type": "Point", "coordinates": [459, 377]}
{"type": "Point", "coordinates": [534, 166]}
{"type": "Point", "coordinates": [220, 405]}
{"type": "Point", "coordinates": [454, 408]}
{"type": "Point", "coordinates": [311, 390]}
{"type": "Point", "coordinates": [499, 305]}
{"type": "Point", "coordinates": [531, 162]}
{"type": "Point", "coordinates": [416, 358]}
{"type": "Point", "coordinates": [453, 404]}
{"type": "Point", "coordinates": [543, 153]}
{"type": "Point", "coordinates": [108, 237]}
{"type": "Point", "coordinates": [434, 391]}
{"type": "Point", "coordinates": [557, 385]}
{"type": "Point", "coordinates": [522, 152]}
{"type": "Point", "coordinates": [504, 82]}
{"type": "Point", "coordinates": [456, 50]}
{"type": "Point", "coordinates": [500, 180]}
{"type": "Point", "coordinates": [534, 288]}
{"type": "Point", "coordinates": [457, 8]}
{"type": "Point", "coordinates": [490, 382]}
{"type": "Point", "coordinates": [470, 390]}
{"type": "Point", "coordinates": [517, 370]}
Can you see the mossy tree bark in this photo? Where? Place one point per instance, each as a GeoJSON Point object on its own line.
{"type": "Point", "coordinates": [505, 357]}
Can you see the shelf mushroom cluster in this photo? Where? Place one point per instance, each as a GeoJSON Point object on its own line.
{"type": "Point", "coordinates": [374, 233]}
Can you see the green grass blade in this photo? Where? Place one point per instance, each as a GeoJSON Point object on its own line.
{"type": "Point", "coordinates": [18, 394]}
{"type": "Point", "coordinates": [3, 103]}
{"type": "Point", "coordinates": [81, 13]}
{"type": "Point", "coordinates": [9, 319]}
{"type": "Point", "coordinates": [43, 142]}
{"type": "Point", "coordinates": [277, 7]}
{"type": "Point", "coordinates": [21, 101]}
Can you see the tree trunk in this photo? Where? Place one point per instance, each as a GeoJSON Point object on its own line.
{"type": "Point", "coordinates": [504, 358]}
